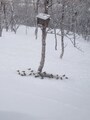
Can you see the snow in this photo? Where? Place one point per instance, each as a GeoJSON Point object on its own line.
{"type": "Point", "coordinates": [28, 98]}
{"type": "Point", "coordinates": [43, 16]}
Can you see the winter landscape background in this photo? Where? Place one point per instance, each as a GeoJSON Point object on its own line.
{"type": "Point", "coordinates": [29, 98]}
{"type": "Point", "coordinates": [62, 30]}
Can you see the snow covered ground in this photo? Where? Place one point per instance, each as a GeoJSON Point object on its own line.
{"type": "Point", "coordinates": [27, 98]}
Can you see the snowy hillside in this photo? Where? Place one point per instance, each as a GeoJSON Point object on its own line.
{"type": "Point", "coordinates": [28, 98]}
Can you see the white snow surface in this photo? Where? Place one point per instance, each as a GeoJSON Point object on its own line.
{"type": "Point", "coordinates": [43, 16]}
{"type": "Point", "coordinates": [28, 98]}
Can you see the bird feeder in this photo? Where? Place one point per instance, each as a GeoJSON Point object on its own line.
{"type": "Point", "coordinates": [43, 19]}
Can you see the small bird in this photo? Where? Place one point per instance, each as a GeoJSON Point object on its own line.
{"type": "Point", "coordinates": [24, 74]}
{"type": "Point", "coordinates": [63, 75]}
{"type": "Point", "coordinates": [21, 74]}
{"type": "Point", "coordinates": [66, 77]}
{"type": "Point", "coordinates": [36, 76]}
{"type": "Point", "coordinates": [30, 74]}
{"type": "Point", "coordinates": [44, 73]}
{"type": "Point", "coordinates": [51, 75]}
{"type": "Point", "coordinates": [57, 77]}
{"type": "Point", "coordinates": [42, 77]}
{"type": "Point", "coordinates": [18, 72]}
{"type": "Point", "coordinates": [29, 68]}
{"type": "Point", "coordinates": [32, 71]}
{"type": "Point", "coordinates": [61, 78]}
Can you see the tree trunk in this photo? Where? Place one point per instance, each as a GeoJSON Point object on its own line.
{"type": "Point", "coordinates": [74, 36]}
{"type": "Point", "coordinates": [5, 17]}
{"type": "Point", "coordinates": [62, 30]}
{"type": "Point", "coordinates": [44, 34]}
{"type": "Point", "coordinates": [36, 12]}
{"type": "Point", "coordinates": [12, 17]}
{"type": "Point", "coordinates": [75, 25]}
{"type": "Point", "coordinates": [0, 31]}
{"type": "Point", "coordinates": [43, 49]}
{"type": "Point", "coordinates": [0, 19]}
{"type": "Point", "coordinates": [55, 39]}
{"type": "Point", "coordinates": [62, 44]}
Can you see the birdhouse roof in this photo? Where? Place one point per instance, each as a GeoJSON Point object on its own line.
{"type": "Point", "coordinates": [43, 16]}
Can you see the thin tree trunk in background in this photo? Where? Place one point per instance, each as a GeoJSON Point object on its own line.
{"type": "Point", "coordinates": [0, 30]}
{"type": "Point", "coordinates": [75, 25]}
{"type": "Point", "coordinates": [55, 39]}
{"type": "Point", "coordinates": [0, 19]}
{"type": "Point", "coordinates": [0, 26]}
{"type": "Point", "coordinates": [62, 44]}
{"type": "Point", "coordinates": [74, 36]}
{"type": "Point", "coordinates": [12, 17]}
{"type": "Point", "coordinates": [36, 12]}
{"type": "Point", "coordinates": [5, 17]}
{"type": "Point", "coordinates": [62, 30]}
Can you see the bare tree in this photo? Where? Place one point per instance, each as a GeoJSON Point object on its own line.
{"type": "Point", "coordinates": [1, 4]}
{"type": "Point", "coordinates": [36, 12]}
{"type": "Point", "coordinates": [62, 29]}
{"type": "Point", "coordinates": [46, 2]}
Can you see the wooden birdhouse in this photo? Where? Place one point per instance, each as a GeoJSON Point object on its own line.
{"type": "Point", "coordinates": [43, 19]}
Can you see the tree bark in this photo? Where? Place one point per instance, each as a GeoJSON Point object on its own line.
{"type": "Point", "coordinates": [55, 39]}
{"type": "Point", "coordinates": [62, 30]}
{"type": "Point", "coordinates": [44, 34]}
{"type": "Point", "coordinates": [0, 19]}
{"type": "Point", "coordinates": [62, 44]}
{"type": "Point", "coordinates": [36, 12]}
{"type": "Point", "coordinates": [43, 49]}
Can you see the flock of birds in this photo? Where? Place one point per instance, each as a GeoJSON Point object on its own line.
{"type": "Point", "coordinates": [42, 75]}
